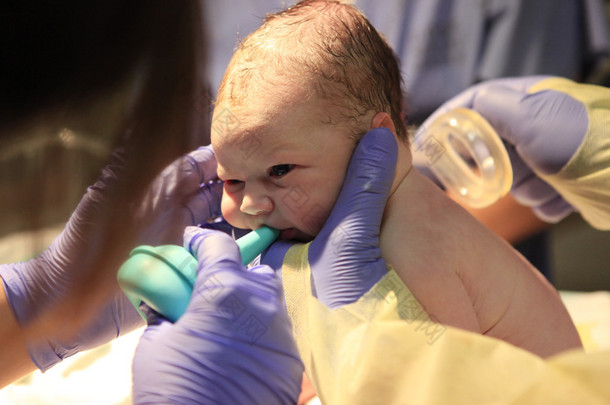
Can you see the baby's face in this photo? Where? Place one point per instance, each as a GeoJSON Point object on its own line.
{"type": "Point", "coordinates": [281, 165]}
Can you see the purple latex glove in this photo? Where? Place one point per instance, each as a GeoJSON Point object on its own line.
{"type": "Point", "coordinates": [543, 130]}
{"type": "Point", "coordinates": [234, 343]}
{"type": "Point", "coordinates": [189, 186]}
{"type": "Point", "coordinates": [33, 286]}
{"type": "Point", "coordinates": [345, 257]}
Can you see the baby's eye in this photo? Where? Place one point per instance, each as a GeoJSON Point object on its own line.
{"type": "Point", "coordinates": [233, 185]}
{"type": "Point", "coordinates": [280, 170]}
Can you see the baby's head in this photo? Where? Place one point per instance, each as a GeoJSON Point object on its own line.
{"type": "Point", "coordinates": [297, 96]}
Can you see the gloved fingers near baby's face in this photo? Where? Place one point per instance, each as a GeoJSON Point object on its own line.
{"type": "Point", "coordinates": [203, 189]}
{"type": "Point", "coordinates": [345, 257]}
{"type": "Point", "coordinates": [218, 257]}
{"type": "Point", "coordinates": [185, 193]}
{"type": "Point", "coordinates": [211, 247]}
{"type": "Point", "coordinates": [354, 222]}
{"type": "Point", "coordinates": [356, 215]}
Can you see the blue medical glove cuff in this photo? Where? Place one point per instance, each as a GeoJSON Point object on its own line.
{"type": "Point", "coordinates": [41, 353]}
{"type": "Point", "coordinates": [46, 352]}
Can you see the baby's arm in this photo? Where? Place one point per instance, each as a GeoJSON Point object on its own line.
{"type": "Point", "coordinates": [489, 289]}
{"type": "Point", "coordinates": [466, 276]}
{"type": "Point", "coordinates": [441, 293]}
{"type": "Point", "coordinates": [522, 307]}
{"type": "Point", "coordinates": [418, 252]}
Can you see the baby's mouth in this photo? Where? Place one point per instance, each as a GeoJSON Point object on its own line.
{"type": "Point", "coordinates": [295, 234]}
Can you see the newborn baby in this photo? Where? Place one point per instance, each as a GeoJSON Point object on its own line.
{"type": "Point", "coordinates": [297, 96]}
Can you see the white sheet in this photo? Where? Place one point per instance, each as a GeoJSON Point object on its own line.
{"type": "Point", "coordinates": [103, 376]}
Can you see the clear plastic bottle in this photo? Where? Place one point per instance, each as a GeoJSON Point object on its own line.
{"type": "Point", "coordinates": [467, 156]}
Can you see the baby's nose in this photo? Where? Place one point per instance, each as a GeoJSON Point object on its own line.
{"type": "Point", "coordinates": [256, 205]}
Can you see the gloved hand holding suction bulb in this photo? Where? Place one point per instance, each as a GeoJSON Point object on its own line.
{"type": "Point", "coordinates": [232, 345]}
{"type": "Point", "coordinates": [163, 276]}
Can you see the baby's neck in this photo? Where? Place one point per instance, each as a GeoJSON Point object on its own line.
{"type": "Point", "coordinates": [418, 199]}
{"type": "Point", "coordinates": [404, 164]}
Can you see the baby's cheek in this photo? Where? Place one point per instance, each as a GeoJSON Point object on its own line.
{"type": "Point", "coordinates": [312, 220]}
{"type": "Point", "coordinates": [230, 211]}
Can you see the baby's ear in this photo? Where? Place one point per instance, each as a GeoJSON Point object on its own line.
{"type": "Point", "coordinates": [382, 119]}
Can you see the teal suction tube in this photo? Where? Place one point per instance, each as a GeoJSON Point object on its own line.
{"type": "Point", "coordinates": [253, 243]}
{"type": "Point", "coordinates": [163, 276]}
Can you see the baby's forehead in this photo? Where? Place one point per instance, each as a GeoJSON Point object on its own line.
{"type": "Point", "coordinates": [266, 102]}
{"type": "Point", "coordinates": [264, 81]}
{"type": "Point", "coordinates": [271, 124]}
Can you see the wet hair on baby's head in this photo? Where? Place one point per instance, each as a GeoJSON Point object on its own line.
{"type": "Point", "coordinates": [331, 45]}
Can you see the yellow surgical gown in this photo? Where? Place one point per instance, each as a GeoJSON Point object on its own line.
{"type": "Point", "coordinates": [384, 349]}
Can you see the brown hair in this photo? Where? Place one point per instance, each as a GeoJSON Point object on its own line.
{"type": "Point", "coordinates": [80, 65]}
{"type": "Point", "coordinates": [331, 42]}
